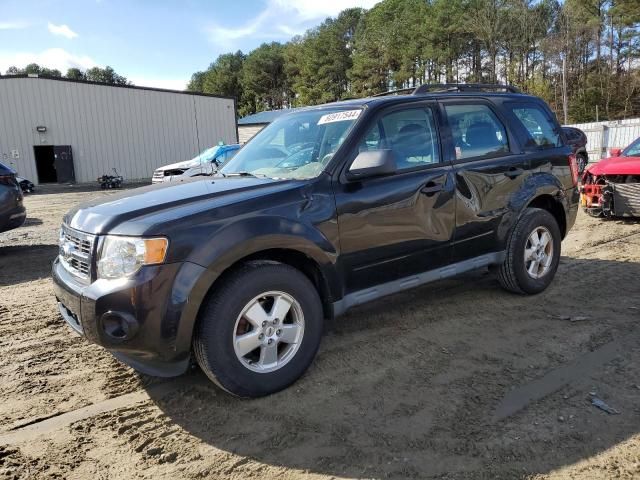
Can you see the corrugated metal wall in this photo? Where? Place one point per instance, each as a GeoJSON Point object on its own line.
{"type": "Point", "coordinates": [133, 130]}
{"type": "Point", "coordinates": [602, 136]}
{"type": "Point", "coordinates": [247, 132]}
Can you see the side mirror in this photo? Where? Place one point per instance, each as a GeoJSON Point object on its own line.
{"type": "Point", "coordinates": [615, 152]}
{"type": "Point", "coordinates": [372, 163]}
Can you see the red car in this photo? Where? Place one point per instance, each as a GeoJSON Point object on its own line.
{"type": "Point", "coordinates": [611, 187]}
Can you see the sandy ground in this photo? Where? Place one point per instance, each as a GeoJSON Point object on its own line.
{"type": "Point", "coordinates": [457, 379]}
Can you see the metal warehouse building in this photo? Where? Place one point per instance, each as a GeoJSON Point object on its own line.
{"type": "Point", "coordinates": [55, 130]}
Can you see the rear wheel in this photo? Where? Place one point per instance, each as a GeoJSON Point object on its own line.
{"type": "Point", "coordinates": [533, 253]}
{"type": "Point", "coordinates": [260, 330]}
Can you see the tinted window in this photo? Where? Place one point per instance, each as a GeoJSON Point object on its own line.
{"type": "Point", "coordinates": [410, 133]}
{"type": "Point", "coordinates": [632, 150]}
{"type": "Point", "coordinates": [570, 134]}
{"type": "Point", "coordinates": [542, 130]}
{"type": "Point", "coordinates": [476, 131]}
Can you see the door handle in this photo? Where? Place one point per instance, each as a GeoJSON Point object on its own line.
{"type": "Point", "coordinates": [431, 189]}
{"type": "Point", "coordinates": [513, 172]}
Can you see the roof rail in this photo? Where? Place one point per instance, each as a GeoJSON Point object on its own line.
{"type": "Point", "coordinates": [394, 92]}
{"type": "Point", "coordinates": [462, 87]}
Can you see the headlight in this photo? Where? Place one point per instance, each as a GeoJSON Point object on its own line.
{"type": "Point", "coordinates": [123, 256]}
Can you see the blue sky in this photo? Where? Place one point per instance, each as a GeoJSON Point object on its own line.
{"type": "Point", "coordinates": [154, 43]}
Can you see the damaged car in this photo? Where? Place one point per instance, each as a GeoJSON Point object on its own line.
{"type": "Point", "coordinates": [611, 187]}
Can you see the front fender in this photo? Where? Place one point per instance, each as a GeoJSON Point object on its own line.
{"type": "Point", "coordinates": [245, 238]}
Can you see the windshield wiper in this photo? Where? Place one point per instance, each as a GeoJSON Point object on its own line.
{"type": "Point", "coordinates": [241, 174]}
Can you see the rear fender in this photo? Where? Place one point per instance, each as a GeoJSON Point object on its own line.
{"type": "Point", "coordinates": [537, 185]}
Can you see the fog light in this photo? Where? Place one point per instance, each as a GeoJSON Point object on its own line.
{"type": "Point", "coordinates": [119, 326]}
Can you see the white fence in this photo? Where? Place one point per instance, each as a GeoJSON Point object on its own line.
{"type": "Point", "coordinates": [602, 136]}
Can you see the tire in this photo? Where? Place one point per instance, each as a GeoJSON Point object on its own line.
{"type": "Point", "coordinates": [222, 322]}
{"type": "Point", "coordinates": [582, 162]}
{"type": "Point", "coordinates": [513, 274]}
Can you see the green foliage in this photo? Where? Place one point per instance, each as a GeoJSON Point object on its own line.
{"type": "Point", "coordinates": [105, 75]}
{"type": "Point", "coordinates": [264, 82]}
{"type": "Point", "coordinates": [95, 74]}
{"type": "Point", "coordinates": [533, 44]}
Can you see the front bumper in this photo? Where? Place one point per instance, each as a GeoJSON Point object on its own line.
{"type": "Point", "coordinates": [13, 219]}
{"type": "Point", "coordinates": [145, 321]}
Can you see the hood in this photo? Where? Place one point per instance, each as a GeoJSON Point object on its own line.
{"type": "Point", "coordinates": [142, 210]}
{"type": "Point", "coordinates": [186, 164]}
{"type": "Point", "coordinates": [616, 166]}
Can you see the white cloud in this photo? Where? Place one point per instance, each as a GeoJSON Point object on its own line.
{"type": "Point", "coordinates": [281, 20]}
{"type": "Point", "coordinates": [62, 60]}
{"type": "Point", "coordinates": [16, 25]}
{"type": "Point", "coordinates": [316, 10]}
{"type": "Point", "coordinates": [51, 58]}
{"type": "Point", "coordinates": [167, 83]}
{"type": "Point", "coordinates": [62, 30]}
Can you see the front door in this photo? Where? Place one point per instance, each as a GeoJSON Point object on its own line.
{"type": "Point", "coordinates": [400, 224]}
{"type": "Point", "coordinates": [63, 162]}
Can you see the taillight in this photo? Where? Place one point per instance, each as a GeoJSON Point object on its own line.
{"type": "Point", "coordinates": [573, 164]}
{"type": "Point", "coordinates": [7, 180]}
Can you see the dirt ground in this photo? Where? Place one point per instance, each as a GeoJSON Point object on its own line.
{"type": "Point", "coordinates": [454, 380]}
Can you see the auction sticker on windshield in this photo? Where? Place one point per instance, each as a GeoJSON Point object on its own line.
{"type": "Point", "coordinates": [339, 116]}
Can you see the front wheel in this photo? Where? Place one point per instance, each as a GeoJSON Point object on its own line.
{"type": "Point", "coordinates": [260, 330]}
{"type": "Point", "coordinates": [533, 253]}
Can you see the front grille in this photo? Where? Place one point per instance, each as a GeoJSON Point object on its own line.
{"type": "Point", "coordinates": [76, 249]}
{"type": "Point", "coordinates": [626, 199]}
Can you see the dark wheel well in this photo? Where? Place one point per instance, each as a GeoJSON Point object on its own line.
{"type": "Point", "coordinates": [292, 258]}
{"type": "Point", "coordinates": [555, 208]}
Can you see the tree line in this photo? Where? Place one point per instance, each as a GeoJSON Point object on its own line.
{"type": "Point", "coordinates": [581, 56]}
{"type": "Point", "coordinates": [95, 74]}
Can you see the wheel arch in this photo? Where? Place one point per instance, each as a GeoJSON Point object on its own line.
{"type": "Point", "coordinates": [554, 207]}
{"type": "Point", "coordinates": [318, 272]}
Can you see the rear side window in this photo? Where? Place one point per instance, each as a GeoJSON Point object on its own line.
{"type": "Point", "coordinates": [477, 132]}
{"type": "Point", "coordinates": [542, 130]}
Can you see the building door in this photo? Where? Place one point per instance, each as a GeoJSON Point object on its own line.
{"type": "Point", "coordinates": [45, 164]}
{"type": "Point", "coordinates": [63, 161]}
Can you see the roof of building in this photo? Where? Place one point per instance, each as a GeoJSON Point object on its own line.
{"type": "Point", "coordinates": [135, 87]}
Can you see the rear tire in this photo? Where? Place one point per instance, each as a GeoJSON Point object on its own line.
{"type": "Point", "coordinates": [533, 253]}
{"type": "Point", "coordinates": [243, 345]}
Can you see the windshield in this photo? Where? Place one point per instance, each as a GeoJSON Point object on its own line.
{"type": "Point", "coordinates": [632, 150]}
{"type": "Point", "coordinates": [207, 156]}
{"type": "Point", "coordinates": [298, 145]}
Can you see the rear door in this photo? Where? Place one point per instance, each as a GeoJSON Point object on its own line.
{"type": "Point", "coordinates": [401, 224]}
{"type": "Point", "coordinates": [63, 163]}
{"type": "Point", "coordinates": [489, 170]}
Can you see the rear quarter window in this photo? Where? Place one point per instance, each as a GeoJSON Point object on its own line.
{"type": "Point", "coordinates": [542, 131]}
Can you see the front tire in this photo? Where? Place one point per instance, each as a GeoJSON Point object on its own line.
{"type": "Point", "coordinates": [533, 253]}
{"type": "Point", "coordinates": [260, 330]}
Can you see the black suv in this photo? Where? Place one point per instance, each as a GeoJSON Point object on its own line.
{"type": "Point", "coordinates": [12, 211]}
{"type": "Point", "coordinates": [326, 208]}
